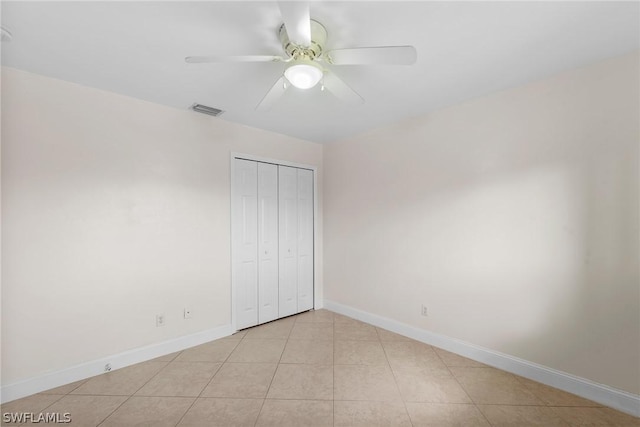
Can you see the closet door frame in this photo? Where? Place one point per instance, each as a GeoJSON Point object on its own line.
{"type": "Point", "coordinates": [244, 156]}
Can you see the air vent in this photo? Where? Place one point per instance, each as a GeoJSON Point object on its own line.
{"type": "Point", "coordinates": [206, 110]}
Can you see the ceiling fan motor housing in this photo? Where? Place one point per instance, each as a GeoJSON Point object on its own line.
{"type": "Point", "coordinates": [318, 39]}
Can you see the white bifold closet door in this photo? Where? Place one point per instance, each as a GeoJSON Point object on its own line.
{"type": "Point", "coordinates": [267, 242]}
{"type": "Point", "coordinates": [305, 240]}
{"type": "Point", "coordinates": [288, 198]}
{"type": "Point", "coordinates": [296, 240]}
{"type": "Point", "coordinates": [272, 241]}
{"type": "Point", "coordinates": [245, 245]}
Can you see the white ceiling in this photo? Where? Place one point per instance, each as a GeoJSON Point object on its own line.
{"type": "Point", "coordinates": [465, 49]}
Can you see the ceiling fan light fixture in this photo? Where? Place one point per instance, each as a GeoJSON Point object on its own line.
{"type": "Point", "coordinates": [303, 73]}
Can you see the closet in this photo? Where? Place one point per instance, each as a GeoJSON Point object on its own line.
{"type": "Point", "coordinates": [272, 241]}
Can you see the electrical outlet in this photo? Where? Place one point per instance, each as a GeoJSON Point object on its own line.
{"type": "Point", "coordinates": [159, 319]}
{"type": "Point", "coordinates": [187, 313]}
{"type": "Point", "coordinates": [424, 311]}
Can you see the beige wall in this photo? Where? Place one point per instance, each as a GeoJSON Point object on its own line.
{"type": "Point", "coordinates": [114, 210]}
{"type": "Point", "coordinates": [512, 217]}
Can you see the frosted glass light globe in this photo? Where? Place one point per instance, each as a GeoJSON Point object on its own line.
{"type": "Point", "coordinates": [303, 73]}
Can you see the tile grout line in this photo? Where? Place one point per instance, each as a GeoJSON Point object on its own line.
{"type": "Point", "coordinates": [518, 378]}
{"type": "Point", "coordinates": [274, 375]}
{"type": "Point", "coordinates": [128, 397]}
{"type": "Point", "coordinates": [395, 380]}
{"type": "Point", "coordinates": [131, 395]}
{"type": "Point", "coordinates": [150, 379]}
{"type": "Point", "coordinates": [110, 413]}
{"type": "Point", "coordinates": [475, 405]}
{"type": "Point", "coordinates": [49, 405]}
{"type": "Point", "coordinates": [62, 396]}
{"type": "Point", "coordinates": [211, 379]}
{"type": "Point", "coordinates": [544, 404]}
{"type": "Point", "coordinates": [220, 367]}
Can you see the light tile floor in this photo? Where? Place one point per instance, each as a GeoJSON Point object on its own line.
{"type": "Point", "coordinates": [316, 369]}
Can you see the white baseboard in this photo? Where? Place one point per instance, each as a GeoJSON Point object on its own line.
{"type": "Point", "coordinates": [600, 393]}
{"type": "Point", "coordinates": [85, 370]}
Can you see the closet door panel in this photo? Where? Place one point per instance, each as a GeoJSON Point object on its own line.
{"type": "Point", "coordinates": [288, 240]}
{"type": "Point", "coordinates": [267, 242]}
{"type": "Point", "coordinates": [245, 248]}
{"type": "Point", "coordinates": [305, 240]}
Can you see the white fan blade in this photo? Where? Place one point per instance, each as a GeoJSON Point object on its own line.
{"type": "Point", "coordinates": [380, 55]}
{"type": "Point", "coordinates": [6, 35]}
{"type": "Point", "coordinates": [273, 95]}
{"type": "Point", "coordinates": [297, 21]}
{"type": "Point", "coordinates": [241, 58]}
{"type": "Point", "coordinates": [336, 86]}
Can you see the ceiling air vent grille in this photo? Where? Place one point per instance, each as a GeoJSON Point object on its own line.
{"type": "Point", "coordinates": [206, 110]}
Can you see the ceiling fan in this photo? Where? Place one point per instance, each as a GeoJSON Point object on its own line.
{"type": "Point", "coordinates": [303, 40]}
